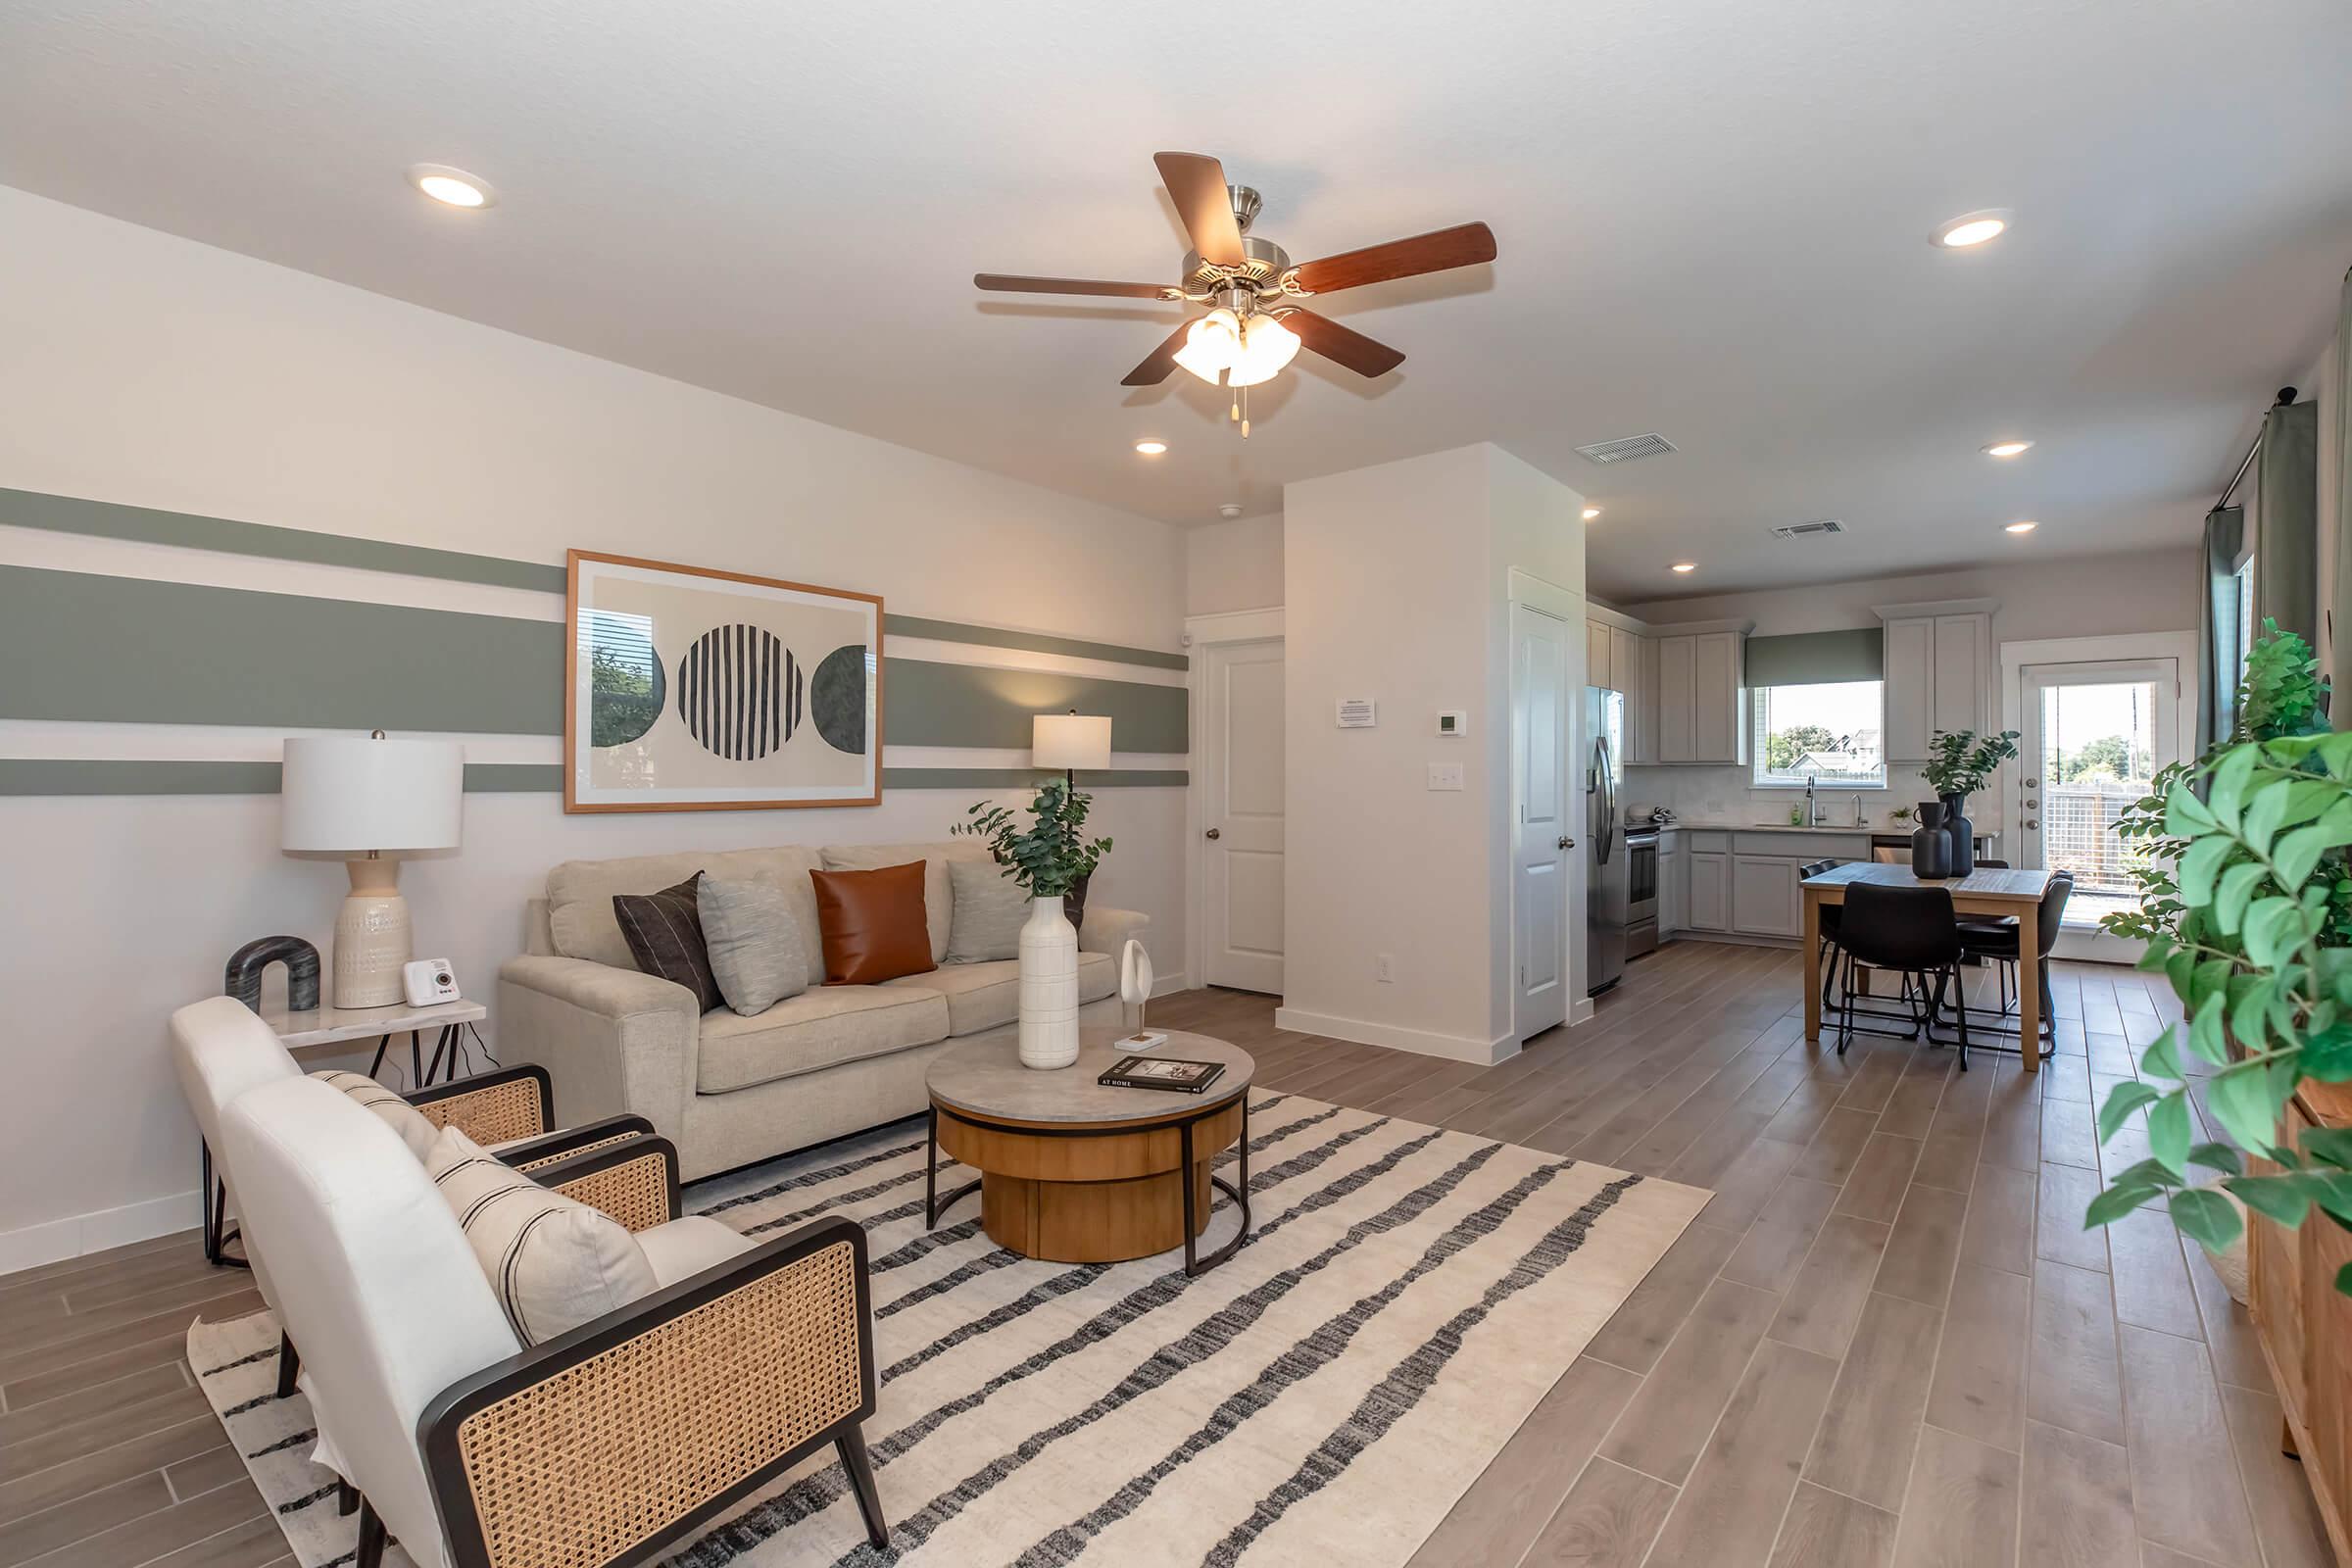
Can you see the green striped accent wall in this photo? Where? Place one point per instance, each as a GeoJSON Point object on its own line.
{"type": "Point", "coordinates": [129, 651]}
{"type": "Point", "coordinates": [107, 519]}
{"type": "Point", "coordinates": [124, 776]}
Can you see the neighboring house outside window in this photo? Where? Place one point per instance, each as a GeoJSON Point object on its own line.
{"type": "Point", "coordinates": [1831, 734]}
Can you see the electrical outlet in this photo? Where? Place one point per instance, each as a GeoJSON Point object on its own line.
{"type": "Point", "coordinates": [1384, 967]}
{"type": "Point", "coordinates": [1444, 775]}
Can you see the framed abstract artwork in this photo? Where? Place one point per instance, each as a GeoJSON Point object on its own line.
{"type": "Point", "coordinates": [693, 690]}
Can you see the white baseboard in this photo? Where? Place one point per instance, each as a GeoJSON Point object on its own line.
{"type": "Point", "coordinates": [78, 1235]}
{"type": "Point", "coordinates": [1579, 1012]}
{"type": "Point", "coordinates": [1169, 984]}
{"type": "Point", "coordinates": [1453, 1048]}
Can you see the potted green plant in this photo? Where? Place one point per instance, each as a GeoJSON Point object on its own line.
{"type": "Point", "coordinates": [1959, 763]}
{"type": "Point", "coordinates": [2246, 909]}
{"type": "Point", "coordinates": [1050, 858]}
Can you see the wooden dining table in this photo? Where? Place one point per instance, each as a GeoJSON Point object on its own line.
{"type": "Point", "coordinates": [1987, 890]}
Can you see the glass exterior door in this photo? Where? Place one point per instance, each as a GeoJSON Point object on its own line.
{"type": "Point", "coordinates": [2095, 737]}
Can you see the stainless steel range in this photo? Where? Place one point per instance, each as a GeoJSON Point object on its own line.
{"type": "Point", "coordinates": [1641, 892]}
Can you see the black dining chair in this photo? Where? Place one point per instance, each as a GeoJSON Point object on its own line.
{"type": "Point", "coordinates": [1997, 945]}
{"type": "Point", "coordinates": [1911, 931]}
{"type": "Point", "coordinates": [1911, 1017]}
{"type": "Point", "coordinates": [1830, 914]}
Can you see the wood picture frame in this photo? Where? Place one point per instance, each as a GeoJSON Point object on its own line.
{"type": "Point", "coordinates": [717, 696]}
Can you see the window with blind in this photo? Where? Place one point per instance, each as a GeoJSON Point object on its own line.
{"type": "Point", "coordinates": [1818, 701]}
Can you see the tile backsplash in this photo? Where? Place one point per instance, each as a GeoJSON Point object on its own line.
{"type": "Point", "coordinates": [1725, 795]}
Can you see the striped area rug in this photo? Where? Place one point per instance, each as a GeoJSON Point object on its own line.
{"type": "Point", "coordinates": [1407, 1296]}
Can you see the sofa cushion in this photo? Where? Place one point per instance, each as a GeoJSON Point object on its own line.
{"type": "Point", "coordinates": [579, 895]}
{"type": "Point", "coordinates": [990, 910]}
{"type": "Point", "coordinates": [664, 933]}
{"type": "Point", "coordinates": [822, 1027]}
{"type": "Point", "coordinates": [939, 898]}
{"type": "Point", "coordinates": [759, 954]}
{"type": "Point", "coordinates": [871, 924]}
{"type": "Point", "coordinates": [984, 996]}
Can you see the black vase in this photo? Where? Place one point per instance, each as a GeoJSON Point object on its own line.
{"type": "Point", "coordinates": [1963, 833]}
{"type": "Point", "coordinates": [1931, 844]}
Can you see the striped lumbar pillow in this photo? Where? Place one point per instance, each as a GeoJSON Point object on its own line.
{"type": "Point", "coordinates": [397, 1114]}
{"type": "Point", "coordinates": [553, 1262]}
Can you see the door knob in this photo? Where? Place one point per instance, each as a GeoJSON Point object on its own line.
{"type": "Point", "coordinates": [1212, 833]}
{"type": "Point", "coordinates": [2029, 822]}
{"type": "Point", "coordinates": [1567, 844]}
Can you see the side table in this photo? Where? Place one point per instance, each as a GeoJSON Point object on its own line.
{"type": "Point", "coordinates": [341, 1026]}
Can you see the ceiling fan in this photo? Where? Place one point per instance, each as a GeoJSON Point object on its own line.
{"type": "Point", "coordinates": [1256, 323]}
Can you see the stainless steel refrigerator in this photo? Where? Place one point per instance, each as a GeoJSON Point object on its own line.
{"type": "Point", "coordinates": [1606, 885]}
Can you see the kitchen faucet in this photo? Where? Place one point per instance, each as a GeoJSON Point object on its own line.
{"type": "Point", "coordinates": [1812, 806]}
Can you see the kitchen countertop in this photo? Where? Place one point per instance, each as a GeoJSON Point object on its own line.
{"type": "Point", "coordinates": [1846, 828]}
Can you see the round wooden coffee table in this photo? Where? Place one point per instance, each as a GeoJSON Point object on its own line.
{"type": "Point", "coordinates": [1076, 1172]}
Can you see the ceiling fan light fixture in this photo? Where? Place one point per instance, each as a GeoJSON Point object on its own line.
{"type": "Point", "coordinates": [1266, 347]}
{"type": "Point", "coordinates": [1213, 345]}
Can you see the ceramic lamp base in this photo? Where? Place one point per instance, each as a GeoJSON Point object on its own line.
{"type": "Point", "coordinates": [373, 939]}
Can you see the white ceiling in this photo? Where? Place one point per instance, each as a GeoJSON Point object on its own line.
{"type": "Point", "coordinates": [1712, 216]}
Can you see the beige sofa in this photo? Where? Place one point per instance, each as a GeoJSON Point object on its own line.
{"type": "Point", "coordinates": [729, 1090]}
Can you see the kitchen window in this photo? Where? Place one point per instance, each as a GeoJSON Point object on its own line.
{"type": "Point", "coordinates": [1829, 733]}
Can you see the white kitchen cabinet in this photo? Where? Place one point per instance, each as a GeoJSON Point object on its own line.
{"type": "Point", "coordinates": [1625, 664]}
{"type": "Point", "coordinates": [1642, 746]}
{"type": "Point", "coordinates": [1765, 901]}
{"type": "Point", "coordinates": [1702, 708]}
{"type": "Point", "coordinates": [1938, 673]}
{"type": "Point", "coordinates": [1600, 666]}
{"type": "Point", "coordinates": [1710, 890]}
{"type": "Point", "coordinates": [1674, 885]}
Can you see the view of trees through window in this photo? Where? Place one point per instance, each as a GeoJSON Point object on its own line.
{"type": "Point", "coordinates": [1830, 733]}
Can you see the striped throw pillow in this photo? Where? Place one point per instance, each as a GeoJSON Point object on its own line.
{"type": "Point", "coordinates": [553, 1262]}
{"type": "Point", "coordinates": [664, 933]}
{"type": "Point", "coordinates": [397, 1114]}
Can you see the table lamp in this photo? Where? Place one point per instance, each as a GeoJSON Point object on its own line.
{"type": "Point", "coordinates": [365, 800]}
{"type": "Point", "coordinates": [1069, 741]}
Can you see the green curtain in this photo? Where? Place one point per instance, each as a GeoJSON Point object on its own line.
{"type": "Point", "coordinates": [2217, 627]}
{"type": "Point", "coordinates": [2339, 620]}
{"type": "Point", "coordinates": [2286, 521]}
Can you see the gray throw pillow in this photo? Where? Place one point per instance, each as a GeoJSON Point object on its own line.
{"type": "Point", "coordinates": [990, 908]}
{"type": "Point", "coordinates": [759, 954]}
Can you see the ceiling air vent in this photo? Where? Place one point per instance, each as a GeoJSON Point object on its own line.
{"type": "Point", "coordinates": [1628, 449]}
{"type": "Point", "coordinates": [1807, 531]}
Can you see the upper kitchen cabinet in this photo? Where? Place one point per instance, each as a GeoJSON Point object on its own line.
{"type": "Point", "coordinates": [1938, 672]}
{"type": "Point", "coordinates": [1701, 700]}
{"type": "Point", "coordinates": [1619, 656]}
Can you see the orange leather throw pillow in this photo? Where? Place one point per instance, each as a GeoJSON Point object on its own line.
{"type": "Point", "coordinates": [872, 924]}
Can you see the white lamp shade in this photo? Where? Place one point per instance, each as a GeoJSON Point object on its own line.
{"type": "Point", "coordinates": [1070, 741]}
{"type": "Point", "coordinates": [352, 795]}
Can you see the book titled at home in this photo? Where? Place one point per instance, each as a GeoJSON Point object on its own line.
{"type": "Point", "coordinates": [1161, 1072]}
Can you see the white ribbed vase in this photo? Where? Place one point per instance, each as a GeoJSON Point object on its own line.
{"type": "Point", "coordinates": [1048, 987]}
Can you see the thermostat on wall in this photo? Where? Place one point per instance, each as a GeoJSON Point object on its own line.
{"type": "Point", "coordinates": [1453, 721]}
{"type": "Point", "coordinates": [1358, 712]}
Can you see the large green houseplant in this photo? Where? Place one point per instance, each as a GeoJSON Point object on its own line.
{"type": "Point", "coordinates": [1050, 859]}
{"type": "Point", "coordinates": [2246, 908]}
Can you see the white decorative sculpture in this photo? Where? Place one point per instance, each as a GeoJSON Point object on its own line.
{"type": "Point", "coordinates": [1135, 990]}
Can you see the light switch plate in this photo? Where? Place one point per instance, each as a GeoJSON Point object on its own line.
{"type": "Point", "coordinates": [1444, 775]}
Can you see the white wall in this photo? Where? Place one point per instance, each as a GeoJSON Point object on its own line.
{"type": "Point", "coordinates": [1396, 587]}
{"type": "Point", "coordinates": [2093, 596]}
{"type": "Point", "coordinates": [1232, 566]}
{"type": "Point", "coordinates": [148, 369]}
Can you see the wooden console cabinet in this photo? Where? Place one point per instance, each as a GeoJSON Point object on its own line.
{"type": "Point", "coordinates": [2306, 1326]}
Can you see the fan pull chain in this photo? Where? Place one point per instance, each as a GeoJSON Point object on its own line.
{"type": "Point", "coordinates": [1245, 413]}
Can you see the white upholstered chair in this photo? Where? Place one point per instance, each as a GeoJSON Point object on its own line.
{"type": "Point", "coordinates": [473, 1451]}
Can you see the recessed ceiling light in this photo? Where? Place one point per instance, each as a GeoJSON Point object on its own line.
{"type": "Point", "coordinates": [453, 187]}
{"type": "Point", "coordinates": [2006, 449]}
{"type": "Point", "coordinates": [1971, 229]}
{"type": "Point", "coordinates": [1685, 565]}
{"type": "Point", "coordinates": [1591, 513]}
{"type": "Point", "coordinates": [1150, 449]}
{"type": "Point", "coordinates": [2022, 525]}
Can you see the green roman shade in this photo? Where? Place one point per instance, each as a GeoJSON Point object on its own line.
{"type": "Point", "coordinates": [1817, 657]}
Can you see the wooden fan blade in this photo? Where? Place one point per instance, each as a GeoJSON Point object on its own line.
{"type": "Point", "coordinates": [1341, 345]}
{"type": "Point", "coordinates": [1464, 245]}
{"type": "Point", "coordinates": [1004, 283]}
{"type": "Point", "coordinates": [1197, 182]}
{"type": "Point", "coordinates": [1158, 362]}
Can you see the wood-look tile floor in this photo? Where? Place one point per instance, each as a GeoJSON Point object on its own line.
{"type": "Point", "coordinates": [1886, 1341]}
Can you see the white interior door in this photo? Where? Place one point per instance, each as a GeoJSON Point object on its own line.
{"type": "Point", "coordinates": [2094, 733]}
{"type": "Point", "coordinates": [1240, 814]}
{"type": "Point", "coordinates": [1542, 689]}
